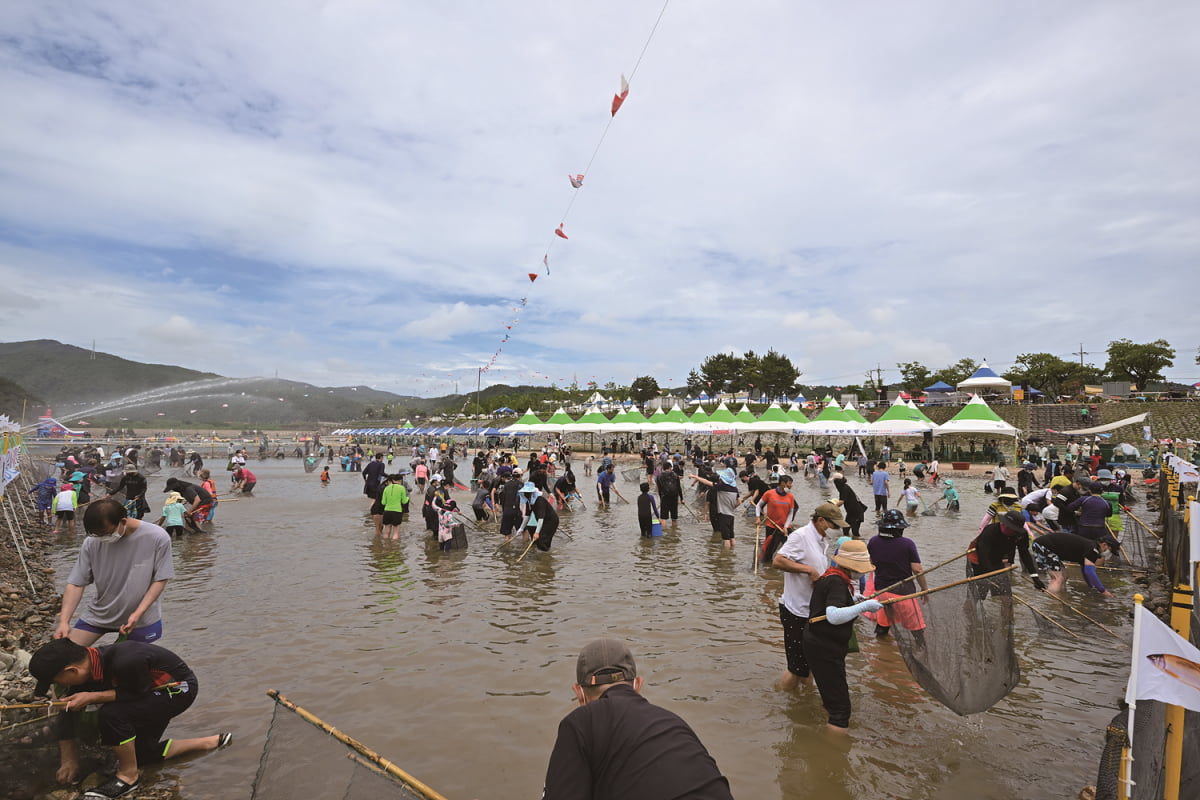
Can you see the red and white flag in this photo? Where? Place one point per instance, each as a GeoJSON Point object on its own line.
{"type": "Point", "coordinates": [619, 98]}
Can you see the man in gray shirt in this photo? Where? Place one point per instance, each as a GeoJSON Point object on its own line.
{"type": "Point", "coordinates": [129, 561]}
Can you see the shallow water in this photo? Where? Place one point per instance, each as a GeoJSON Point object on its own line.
{"type": "Point", "coordinates": [458, 666]}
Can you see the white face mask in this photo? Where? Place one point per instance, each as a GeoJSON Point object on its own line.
{"type": "Point", "coordinates": [117, 533]}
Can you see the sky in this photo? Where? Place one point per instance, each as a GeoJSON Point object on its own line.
{"type": "Point", "coordinates": [353, 192]}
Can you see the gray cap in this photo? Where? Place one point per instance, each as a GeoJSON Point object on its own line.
{"type": "Point", "coordinates": [604, 661]}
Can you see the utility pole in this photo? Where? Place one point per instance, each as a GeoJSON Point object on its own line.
{"type": "Point", "coordinates": [1081, 354]}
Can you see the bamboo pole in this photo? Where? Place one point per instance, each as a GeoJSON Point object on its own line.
{"type": "Point", "coordinates": [924, 592]}
{"type": "Point", "coordinates": [527, 547]}
{"type": "Point", "coordinates": [1080, 613]}
{"type": "Point", "coordinates": [923, 572]}
{"type": "Point", "coordinates": [369, 754]}
{"type": "Point", "coordinates": [1045, 617]}
{"type": "Point", "coordinates": [62, 703]}
{"type": "Point", "coordinates": [1146, 527]}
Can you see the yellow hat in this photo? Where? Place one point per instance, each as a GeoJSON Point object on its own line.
{"type": "Point", "coordinates": [1059, 480]}
{"type": "Point", "coordinates": [174, 497]}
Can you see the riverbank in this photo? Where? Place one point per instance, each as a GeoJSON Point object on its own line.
{"type": "Point", "coordinates": [28, 754]}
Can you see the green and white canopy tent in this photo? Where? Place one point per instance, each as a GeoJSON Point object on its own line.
{"type": "Point", "coordinates": [722, 420]}
{"type": "Point", "coordinates": [976, 417]}
{"type": "Point", "coordinates": [796, 414]}
{"type": "Point", "coordinates": [745, 416]}
{"type": "Point", "coordinates": [901, 420]}
{"type": "Point", "coordinates": [832, 421]}
{"type": "Point", "coordinates": [522, 425]}
{"type": "Point", "coordinates": [776, 420]}
{"type": "Point", "coordinates": [697, 420]}
{"type": "Point", "coordinates": [588, 423]}
{"type": "Point", "coordinates": [661, 422]}
{"type": "Point", "coordinates": [559, 422]}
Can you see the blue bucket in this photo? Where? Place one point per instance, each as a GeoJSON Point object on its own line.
{"type": "Point", "coordinates": [656, 527]}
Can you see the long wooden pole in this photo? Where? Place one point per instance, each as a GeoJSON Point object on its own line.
{"type": "Point", "coordinates": [1080, 613]}
{"type": "Point", "coordinates": [1151, 531]}
{"type": "Point", "coordinates": [373, 757]}
{"type": "Point", "coordinates": [525, 551]}
{"type": "Point", "coordinates": [1045, 616]}
{"type": "Point", "coordinates": [923, 572]}
{"type": "Point", "coordinates": [924, 592]}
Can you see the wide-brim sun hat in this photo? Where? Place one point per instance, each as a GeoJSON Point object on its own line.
{"type": "Point", "coordinates": [853, 555]}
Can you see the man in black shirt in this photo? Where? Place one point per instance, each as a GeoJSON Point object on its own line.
{"type": "Point", "coordinates": [996, 546]}
{"type": "Point", "coordinates": [617, 746]}
{"type": "Point", "coordinates": [139, 687]}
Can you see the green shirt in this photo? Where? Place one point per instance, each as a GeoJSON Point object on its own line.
{"type": "Point", "coordinates": [394, 497]}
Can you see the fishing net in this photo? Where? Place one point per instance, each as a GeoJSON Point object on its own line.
{"type": "Point", "coordinates": [963, 656]}
{"type": "Point", "coordinates": [634, 474]}
{"type": "Point", "coordinates": [302, 760]}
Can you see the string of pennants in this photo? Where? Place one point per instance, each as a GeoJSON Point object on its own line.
{"type": "Point", "coordinates": [576, 182]}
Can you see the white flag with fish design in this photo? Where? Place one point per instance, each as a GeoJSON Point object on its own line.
{"type": "Point", "coordinates": [1194, 531]}
{"type": "Point", "coordinates": [1166, 666]}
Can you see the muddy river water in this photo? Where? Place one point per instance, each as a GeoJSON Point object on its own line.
{"type": "Point", "coordinates": [458, 666]}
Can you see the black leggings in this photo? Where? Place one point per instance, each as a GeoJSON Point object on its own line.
{"type": "Point", "coordinates": [827, 662]}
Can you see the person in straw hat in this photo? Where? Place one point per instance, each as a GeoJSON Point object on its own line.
{"type": "Point", "coordinates": [827, 641]}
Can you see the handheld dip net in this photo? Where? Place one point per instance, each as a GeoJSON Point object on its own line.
{"type": "Point", "coordinates": [352, 771]}
{"type": "Point", "coordinates": [957, 642]}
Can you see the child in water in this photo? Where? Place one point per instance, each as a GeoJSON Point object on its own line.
{"type": "Point", "coordinates": [325, 476]}
{"type": "Point", "coordinates": [172, 515]}
{"type": "Point", "coordinates": [912, 497]}
{"type": "Point", "coordinates": [950, 495]}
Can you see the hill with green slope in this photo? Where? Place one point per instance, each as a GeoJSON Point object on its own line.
{"type": "Point", "coordinates": [14, 396]}
{"type": "Point", "coordinates": [63, 373]}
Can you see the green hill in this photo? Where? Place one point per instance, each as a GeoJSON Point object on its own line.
{"type": "Point", "coordinates": [62, 373]}
{"type": "Point", "coordinates": [13, 397]}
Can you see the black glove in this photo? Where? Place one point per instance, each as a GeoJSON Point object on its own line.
{"type": "Point", "coordinates": [1038, 583]}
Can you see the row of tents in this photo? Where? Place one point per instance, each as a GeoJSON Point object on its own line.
{"type": "Point", "coordinates": [903, 418]}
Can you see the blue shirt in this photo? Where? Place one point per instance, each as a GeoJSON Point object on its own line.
{"type": "Point", "coordinates": [606, 478]}
{"type": "Point", "coordinates": [879, 481]}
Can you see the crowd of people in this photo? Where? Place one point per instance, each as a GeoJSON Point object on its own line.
{"type": "Point", "coordinates": [1068, 513]}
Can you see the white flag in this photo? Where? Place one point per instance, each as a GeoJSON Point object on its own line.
{"type": "Point", "coordinates": [1166, 665]}
{"type": "Point", "coordinates": [1194, 531]}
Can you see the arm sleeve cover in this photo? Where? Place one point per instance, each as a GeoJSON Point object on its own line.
{"type": "Point", "coordinates": [1093, 580]}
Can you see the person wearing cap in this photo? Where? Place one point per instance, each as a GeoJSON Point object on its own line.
{"type": "Point", "coordinates": [1026, 479]}
{"type": "Point", "coordinates": [950, 495]}
{"type": "Point", "coordinates": [129, 561]}
{"type": "Point", "coordinates": [139, 687]}
{"type": "Point", "coordinates": [723, 499]}
{"type": "Point", "coordinates": [1006, 499]}
{"type": "Point", "coordinates": [541, 520]}
{"type": "Point", "coordinates": [1052, 550]}
{"type": "Point", "coordinates": [134, 485]}
{"type": "Point", "coordinates": [827, 641]}
{"type": "Point", "coordinates": [995, 548]}
{"type": "Point", "coordinates": [896, 561]}
{"type": "Point", "coordinates": [446, 524]}
{"type": "Point", "coordinates": [44, 494]}
{"type": "Point", "coordinates": [619, 746]}
{"type": "Point", "coordinates": [62, 507]}
{"type": "Point", "coordinates": [802, 560]}
{"type": "Point", "coordinates": [1092, 510]}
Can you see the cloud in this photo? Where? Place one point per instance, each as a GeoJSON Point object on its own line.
{"type": "Point", "coordinates": [855, 195]}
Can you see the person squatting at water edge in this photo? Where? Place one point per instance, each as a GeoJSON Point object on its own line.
{"type": "Point", "coordinates": [619, 746]}
{"type": "Point", "coordinates": [139, 687]}
{"type": "Point", "coordinates": [129, 561]}
{"type": "Point", "coordinates": [802, 560]}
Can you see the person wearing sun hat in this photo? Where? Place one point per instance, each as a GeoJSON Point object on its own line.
{"type": "Point", "coordinates": [827, 641]}
{"type": "Point", "coordinates": [802, 560]}
{"type": "Point", "coordinates": [541, 519]}
{"type": "Point", "coordinates": [618, 745]}
{"type": "Point", "coordinates": [724, 486]}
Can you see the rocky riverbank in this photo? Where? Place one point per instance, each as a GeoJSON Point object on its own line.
{"type": "Point", "coordinates": [28, 749]}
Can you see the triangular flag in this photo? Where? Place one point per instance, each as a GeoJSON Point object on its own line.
{"type": "Point", "coordinates": [576, 180]}
{"type": "Point", "coordinates": [533, 275]}
{"type": "Point", "coordinates": [559, 231]}
{"type": "Point", "coordinates": [546, 262]}
{"type": "Point", "coordinates": [618, 99]}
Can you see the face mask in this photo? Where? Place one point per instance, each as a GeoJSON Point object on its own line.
{"type": "Point", "coordinates": [782, 490]}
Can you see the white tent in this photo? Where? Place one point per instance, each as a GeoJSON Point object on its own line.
{"type": "Point", "coordinates": [976, 417]}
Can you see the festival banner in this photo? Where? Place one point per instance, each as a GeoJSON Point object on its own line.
{"type": "Point", "coordinates": [10, 452]}
{"type": "Point", "coordinates": [1166, 667]}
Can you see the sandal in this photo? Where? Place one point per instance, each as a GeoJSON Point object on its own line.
{"type": "Point", "coordinates": [113, 788]}
{"type": "Point", "coordinates": [224, 740]}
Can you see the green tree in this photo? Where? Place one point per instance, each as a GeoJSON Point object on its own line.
{"type": "Point", "coordinates": [722, 372]}
{"type": "Point", "coordinates": [1051, 374]}
{"type": "Point", "coordinates": [1139, 363]}
{"type": "Point", "coordinates": [695, 383]}
{"type": "Point", "coordinates": [644, 388]}
{"type": "Point", "coordinates": [956, 372]}
{"type": "Point", "coordinates": [776, 374]}
{"type": "Point", "coordinates": [914, 376]}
